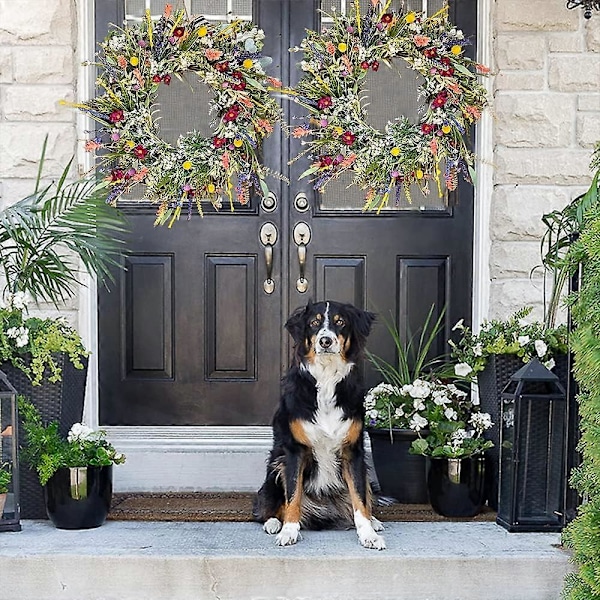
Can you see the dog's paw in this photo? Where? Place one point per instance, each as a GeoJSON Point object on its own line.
{"type": "Point", "coordinates": [272, 526]}
{"type": "Point", "coordinates": [371, 540]}
{"type": "Point", "coordinates": [377, 524]}
{"type": "Point", "coordinates": [288, 534]}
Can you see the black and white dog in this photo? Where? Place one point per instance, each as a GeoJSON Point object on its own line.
{"type": "Point", "coordinates": [316, 473]}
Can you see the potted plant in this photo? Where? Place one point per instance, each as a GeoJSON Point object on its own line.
{"type": "Point", "coordinates": [75, 471]}
{"type": "Point", "coordinates": [455, 446]}
{"type": "Point", "coordinates": [44, 239]}
{"type": "Point", "coordinates": [400, 475]}
{"type": "Point", "coordinates": [497, 351]}
{"type": "Point", "coordinates": [5, 479]}
{"type": "Point", "coordinates": [395, 417]}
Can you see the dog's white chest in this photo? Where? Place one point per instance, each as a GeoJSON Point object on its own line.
{"type": "Point", "coordinates": [329, 429]}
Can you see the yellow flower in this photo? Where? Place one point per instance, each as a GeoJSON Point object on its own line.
{"type": "Point", "coordinates": [237, 143]}
{"type": "Point", "coordinates": [342, 47]}
{"type": "Point", "coordinates": [395, 151]}
{"type": "Point", "coordinates": [134, 61]}
{"type": "Point", "coordinates": [410, 17]}
{"type": "Point", "coordinates": [130, 143]}
{"type": "Point", "coordinates": [210, 188]}
{"type": "Point", "coordinates": [248, 63]}
{"type": "Point", "coordinates": [338, 130]}
{"type": "Point", "coordinates": [456, 49]}
{"type": "Point", "coordinates": [446, 128]}
{"type": "Point", "coordinates": [202, 31]}
{"type": "Point", "coordinates": [187, 165]}
{"type": "Point", "coordinates": [419, 174]}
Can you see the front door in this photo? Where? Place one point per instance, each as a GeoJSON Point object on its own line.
{"type": "Point", "coordinates": [192, 332]}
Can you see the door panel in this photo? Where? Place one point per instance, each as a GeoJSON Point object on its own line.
{"type": "Point", "coordinates": [190, 335]}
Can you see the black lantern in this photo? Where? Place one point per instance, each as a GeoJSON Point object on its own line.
{"type": "Point", "coordinates": [533, 442]}
{"type": "Point", "coordinates": [10, 514]}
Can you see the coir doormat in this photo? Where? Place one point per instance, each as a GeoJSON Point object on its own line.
{"type": "Point", "coordinates": [238, 507]}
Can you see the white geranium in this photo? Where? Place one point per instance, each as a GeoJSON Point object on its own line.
{"type": "Point", "coordinates": [450, 413]}
{"type": "Point", "coordinates": [80, 433]}
{"type": "Point", "coordinates": [540, 347]}
{"type": "Point", "coordinates": [462, 369]}
{"type": "Point", "coordinates": [19, 334]}
{"type": "Point", "coordinates": [419, 389]}
{"type": "Point", "coordinates": [550, 364]}
{"type": "Point", "coordinates": [459, 325]}
{"type": "Point", "coordinates": [478, 349]}
{"type": "Point", "coordinates": [481, 421]}
{"type": "Point", "coordinates": [399, 412]}
{"type": "Point", "coordinates": [418, 422]}
{"type": "Point", "coordinates": [523, 340]}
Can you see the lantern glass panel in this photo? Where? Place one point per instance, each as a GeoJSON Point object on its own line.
{"type": "Point", "coordinates": [9, 462]}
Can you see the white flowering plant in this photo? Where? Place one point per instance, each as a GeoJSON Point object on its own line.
{"type": "Point", "coordinates": [29, 343]}
{"type": "Point", "coordinates": [414, 406]}
{"type": "Point", "coordinates": [47, 451]}
{"type": "Point", "coordinates": [450, 424]}
{"type": "Point", "coordinates": [515, 335]}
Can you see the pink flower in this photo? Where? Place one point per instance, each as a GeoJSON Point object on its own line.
{"type": "Point", "coordinates": [421, 40]}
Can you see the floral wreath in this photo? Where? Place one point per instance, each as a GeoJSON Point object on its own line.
{"type": "Point", "coordinates": [387, 162]}
{"type": "Point", "coordinates": [135, 61]}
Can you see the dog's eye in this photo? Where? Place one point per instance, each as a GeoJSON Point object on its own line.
{"type": "Point", "coordinates": [340, 322]}
{"type": "Point", "coordinates": [315, 322]}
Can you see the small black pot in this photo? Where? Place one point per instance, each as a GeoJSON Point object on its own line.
{"type": "Point", "coordinates": [79, 497]}
{"type": "Point", "coordinates": [457, 486]}
{"type": "Point", "coordinates": [401, 475]}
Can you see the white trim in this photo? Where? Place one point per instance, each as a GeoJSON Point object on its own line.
{"type": "Point", "coordinates": [88, 326]}
{"type": "Point", "coordinates": [484, 185]}
{"type": "Point", "coordinates": [192, 438]}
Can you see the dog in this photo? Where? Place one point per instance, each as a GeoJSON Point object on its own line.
{"type": "Point", "coordinates": [316, 472]}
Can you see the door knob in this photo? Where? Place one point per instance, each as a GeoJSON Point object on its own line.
{"type": "Point", "coordinates": [268, 237]}
{"type": "Point", "coordinates": [302, 235]}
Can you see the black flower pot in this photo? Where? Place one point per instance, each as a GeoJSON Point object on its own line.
{"type": "Point", "coordinates": [457, 486]}
{"type": "Point", "coordinates": [401, 475]}
{"type": "Point", "coordinates": [79, 497]}
{"type": "Point", "coordinates": [61, 401]}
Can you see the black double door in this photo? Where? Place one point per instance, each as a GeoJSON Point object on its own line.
{"type": "Point", "coordinates": [192, 332]}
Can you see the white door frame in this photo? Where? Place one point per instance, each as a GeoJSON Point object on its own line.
{"type": "Point", "coordinates": [233, 458]}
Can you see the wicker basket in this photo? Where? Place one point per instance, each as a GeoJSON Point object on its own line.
{"type": "Point", "coordinates": [62, 402]}
{"type": "Point", "coordinates": [491, 381]}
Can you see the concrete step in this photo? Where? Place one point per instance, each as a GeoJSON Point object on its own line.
{"type": "Point", "coordinates": [237, 561]}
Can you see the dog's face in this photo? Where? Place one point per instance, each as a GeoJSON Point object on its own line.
{"type": "Point", "coordinates": [329, 328]}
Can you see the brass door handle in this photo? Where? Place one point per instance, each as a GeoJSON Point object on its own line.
{"type": "Point", "coordinates": [268, 237]}
{"type": "Point", "coordinates": [302, 235]}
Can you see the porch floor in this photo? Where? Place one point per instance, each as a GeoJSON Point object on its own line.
{"type": "Point", "coordinates": [124, 560]}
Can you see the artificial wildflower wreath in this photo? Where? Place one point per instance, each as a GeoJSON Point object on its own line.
{"type": "Point", "coordinates": [384, 163]}
{"type": "Point", "coordinates": [134, 62]}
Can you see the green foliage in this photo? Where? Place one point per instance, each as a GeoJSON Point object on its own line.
{"type": "Point", "coordinates": [581, 535]}
{"type": "Point", "coordinates": [43, 236]}
{"type": "Point", "coordinates": [46, 451]}
{"type": "Point", "coordinates": [29, 343]}
{"type": "Point", "coordinates": [511, 336]}
{"type": "Point", "coordinates": [5, 477]}
{"type": "Point", "coordinates": [562, 228]}
{"type": "Point", "coordinates": [412, 360]}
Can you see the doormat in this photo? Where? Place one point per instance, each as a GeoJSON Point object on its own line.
{"type": "Point", "coordinates": [237, 507]}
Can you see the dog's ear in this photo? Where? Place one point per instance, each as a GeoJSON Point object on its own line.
{"type": "Point", "coordinates": [362, 320]}
{"type": "Point", "coordinates": [295, 324]}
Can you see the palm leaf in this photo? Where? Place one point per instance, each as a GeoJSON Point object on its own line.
{"type": "Point", "coordinates": [44, 236]}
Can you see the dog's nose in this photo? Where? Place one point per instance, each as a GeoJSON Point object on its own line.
{"type": "Point", "coordinates": [325, 342]}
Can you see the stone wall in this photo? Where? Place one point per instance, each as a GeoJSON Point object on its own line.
{"type": "Point", "coordinates": [38, 65]}
{"type": "Point", "coordinates": [546, 119]}
{"type": "Point", "coordinates": [546, 122]}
